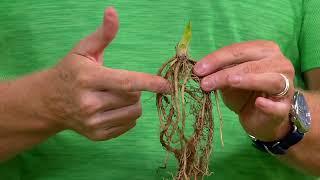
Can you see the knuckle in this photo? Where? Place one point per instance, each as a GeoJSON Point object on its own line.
{"type": "Point", "coordinates": [90, 125]}
{"type": "Point", "coordinates": [96, 136]}
{"type": "Point", "coordinates": [82, 80]}
{"type": "Point", "coordinates": [126, 84]}
{"type": "Point", "coordinates": [134, 123]}
{"type": "Point", "coordinates": [139, 110]}
{"type": "Point", "coordinates": [289, 68]}
{"type": "Point", "coordinates": [119, 133]}
{"type": "Point", "coordinates": [249, 68]}
{"type": "Point", "coordinates": [89, 104]}
{"type": "Point", "coordinates": [134, 97]}
{"type": "Point", "coordinates": [136, 111]}
{"type": "Point", "coordinates": [112, 25]}
{"type": "Point", "coordinates": [131, 126]}
{"type": "Point", "coordinates": [279, 84]}
{"type": "Point", "coordinates": [236, 51]}
{"type": "Point", "coordinates": [89, 135]}
{"type": "Point", "coordinates": [271, 46]}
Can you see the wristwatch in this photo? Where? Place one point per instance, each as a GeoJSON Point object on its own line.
{"type": "Point", "coordinates": [300, 120]}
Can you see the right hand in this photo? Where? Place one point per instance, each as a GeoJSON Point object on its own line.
{"type": "Point", "coordinates": [95, 101]}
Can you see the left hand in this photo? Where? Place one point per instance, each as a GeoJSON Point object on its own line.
{"type": "Point", "coordinates": [248, 75]}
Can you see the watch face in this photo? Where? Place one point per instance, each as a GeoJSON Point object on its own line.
{"type": "Point", "coordinates": [303, 117]}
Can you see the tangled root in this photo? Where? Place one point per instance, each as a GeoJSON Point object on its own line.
{"type": "Point", "coordinates": [186, 118]}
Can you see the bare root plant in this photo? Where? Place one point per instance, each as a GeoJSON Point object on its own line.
{"type": "Point", "coordinates": [187, 104]}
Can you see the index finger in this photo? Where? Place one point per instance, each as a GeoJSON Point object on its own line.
{"type": "Point", "coordinates": [130, 81]}
{"type": "Point", "coordinates": [235, 54]}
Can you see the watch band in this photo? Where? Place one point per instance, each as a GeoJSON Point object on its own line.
{"type": "Point", "coordinates": [279, 147]}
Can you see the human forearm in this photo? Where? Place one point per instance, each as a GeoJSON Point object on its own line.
{"type": "Point", "coordinates": [23, 121]}
{"type": "Point", "coordinates": [305, 155]}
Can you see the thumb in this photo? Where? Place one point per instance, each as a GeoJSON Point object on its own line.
{"type": "Point", "coordinates": [93, 45]}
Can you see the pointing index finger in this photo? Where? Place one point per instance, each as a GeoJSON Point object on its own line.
{"type": "Point", "coordinates": [123, 80]}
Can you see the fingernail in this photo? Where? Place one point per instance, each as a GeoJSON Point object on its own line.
{"type": "Point", "coordinates": [200, 69]}
{"type": "Point", "coordinates": [234, 79]}
{"type": "Point", "coordinates": [110, 11]}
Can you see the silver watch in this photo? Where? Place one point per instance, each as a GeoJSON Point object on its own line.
{"type": "Point", "coordinates": [299, 113]}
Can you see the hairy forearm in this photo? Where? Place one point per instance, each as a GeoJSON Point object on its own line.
{"type": "Point", "coordinates": [306, 154]}
{"type": "Point", "coordinates": [23, 121]}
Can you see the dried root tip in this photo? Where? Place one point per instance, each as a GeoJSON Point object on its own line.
{"type": "Point", "coordinates": [220, 116]}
